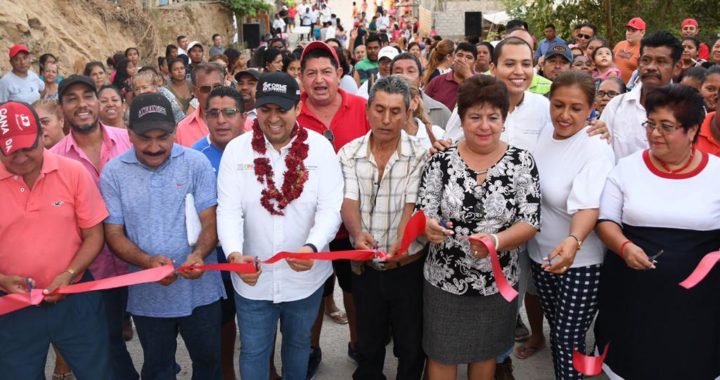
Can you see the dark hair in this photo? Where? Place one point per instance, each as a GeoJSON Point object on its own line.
{"type": "Point", "coordinates": [111, 87]}
{"type": "Point", "coordinates": [508, 41]}
{"type": "Point", "coordinates": [698, 73]}
{"type": "Point", "coordinates": [618, 81]}
{"type": "Point", "coordinates": [343, 60]}
{"type": "Point", "coordinates": [384, 39]}
{"type": "Point", "coordinates": [121, 74]}
{"type": "Point", "coordinates": [128, 50]}
{"type": "Point", "coordinates": [550, 25]}
{"type": "Point", "coordinates": [213, 36]}
{"type": "Point", "coordinates": [289, 58]}
{"type": "Point", "coordinates": [43, 59]}
{"type": "Point", "coordinates": [663, 38]}
{"type": "Point", "coordinates": [599, 38]}
{"type": "Point", "coordinates": [233, 55]}
{"type": "Point", "coordinates": [516, 23]}
{"type": "Point", "coordinates": [482, 89]}
{"type": "Point", "coordinates": [589, 25]}
{"type": "Point", "coordinates": [270, 55]}
{"type": "Point", "coordinates": [685, 102]}
{"type": "Point", "coordinates": [595, 52]}
{"type": "Point", "coordinates": [205, 68]}
{"type": "Point", "coordinates": [180, 37]}
{"type": "Point", "coordinates": [226, 91]}
{"type": "Point", "coordinates": [335, 40]}
{"type": "Point", "coordinates": [411, 44]}
{"type": "Point", "coordinates": [410, 57]}
{"type": "Point", "coordinates": [277, 39]}
{"type": "Point", "coordinates": [468, 47]}
{"type": "Point", "coordinates": [575, 78]}
{"type": "Point", "coordinates": [714, 69]}
{"type": "Point", "coordinates": [161, 61]}
{"type": "Point", "coordinates": [373, 38]}
{"type": "Point", "coordinates": [694, 40]}
{"type": "Point", "coordinates": [318, 53]}
{"type": "Point", "coordinates": [490, 47]}
{"type": "Point", "coordinates": [173, 61]}
{"type": "Point", "coordinates": [149, 68]}
{"type": "Point", "coordinates": [170, 48]}
{"type": "Point", "coordinates": [90, 66]}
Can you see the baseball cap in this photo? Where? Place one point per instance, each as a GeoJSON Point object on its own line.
{"type": "Point", "coordinates": [73, 79]}
{"type": "Point", "coordinates": [151, 111]}
{"type": "Point", "coordinates": [688, 21]}
{"type": "Point", "coordinates": [636, 23]}
{"type": "Point", "coordinates": [252, 72]}
{"type": "Point", "coordinates": [20, 127]}
{"type": "Point", "coordinates": [318, 45]}
{"type": "Point", "coordinates": [559, 48]}
{"type": "Point", "coordinates": [17, 49]}
{"type": "Point", "coordinates": [277, 88]}
{"type": "Point", "coordinates": [387, 52]}
{"type": "Point", "coordinates": [194, 44]}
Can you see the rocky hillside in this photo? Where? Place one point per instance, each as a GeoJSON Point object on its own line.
{"type": "Point", "coordinates": [77, 30]}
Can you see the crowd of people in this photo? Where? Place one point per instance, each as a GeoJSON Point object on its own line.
{"type": "Point", "coordinates": [591, 169]}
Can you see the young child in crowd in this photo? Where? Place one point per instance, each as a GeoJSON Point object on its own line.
{"type": "Point", "coordinates": [603, 66]}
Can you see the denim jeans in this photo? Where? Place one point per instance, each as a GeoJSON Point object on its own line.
{"type": "Point", "coordinates": [258, 320]}
{"type": "Point", "coordinates": [76, 326]}
{"type": "Point", "coordinates": [200, 332]}
{"type": "Point", "coordinates": [115, 301]}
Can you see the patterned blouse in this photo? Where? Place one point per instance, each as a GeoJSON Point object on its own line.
{"type": "Point", "coordinates": [449, 189]}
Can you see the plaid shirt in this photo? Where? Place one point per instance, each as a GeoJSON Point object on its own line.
{"type": "Point", "coordinates": [382, 200]}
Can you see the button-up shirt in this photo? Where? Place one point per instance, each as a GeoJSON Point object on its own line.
{"type": "Point", "coordinates": [624, 116]}
{"type": "Point", "coordinates": [115, 142]}
{"type": "Point", "coordinates": [191, 129]}
{"type": "Point", "coordinates": [245, 226]}
{"type": "Point", "coordinates": [40, 228]}
{"type": "Point", "coordinates": [150, 204]}
{"type": "Point", "coordinates": [382, 200]}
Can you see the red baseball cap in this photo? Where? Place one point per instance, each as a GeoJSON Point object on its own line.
{"type": "Point", "coordinates": [319, 45]}
{"type": "Point", "coordinates": [17, 49]}
{"type": "Point", "coordinates": [689, 21]}
{"type": "Point", "coordinates": [19, 127]}
{"type": "Point", "coordinates": [636, 23]}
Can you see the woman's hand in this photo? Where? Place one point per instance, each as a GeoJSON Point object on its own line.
{"type": "Point", "coordinates": [436, 233]}
{"type": "Point", "coordinates": [479, 250]}
{"type": "Point", "coordinates": [636, 258]}
{"type": "Point", "coordinates": [565, 255]}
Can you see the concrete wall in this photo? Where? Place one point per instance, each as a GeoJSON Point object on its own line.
{"type": "Point", "coordinates": [449, 15]}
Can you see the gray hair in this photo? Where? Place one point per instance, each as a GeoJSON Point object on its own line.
{"type": "Point", "coordinates": [394, 84]}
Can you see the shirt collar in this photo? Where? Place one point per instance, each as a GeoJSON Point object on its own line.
{"type": "Point", "coordinates": [131, 158]}
{"type": "Point", "coordinates": [50, 164]}
{"type": "Point", "coordinates": [108, 139]}
{"type": "Point", "coordinates": [304, 97]}
{"type": "Point", "coordinates": [404, 149]}
{"type": "Point", "coordinates": [634, 94]}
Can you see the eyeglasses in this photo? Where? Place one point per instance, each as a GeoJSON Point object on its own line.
{"type": "Point", "coordinates": [214, 113]}
{"type": "Point", "coordinates": [207, 89]}
{"type": "Point", "coordinates": [609, 94]}
{"type": "Point", "coordinates": [665, 128]}
{"type": "Point", "coordinates": [583, 36]}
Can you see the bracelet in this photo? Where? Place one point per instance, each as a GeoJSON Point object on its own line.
{"type": "Point", "coordinates": [311, 246]}
{"type": "Point", "coordinates": [622, 248]}
{"type": "Point", "coordinates": [577, 239]}
{"type": "Point", "coordinates": [496, 241]}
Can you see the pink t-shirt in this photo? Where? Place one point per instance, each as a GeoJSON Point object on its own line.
{"type": "Point", "coordinates": [40, 229]}
{"type": "Point", "coordinates": [191, 129]}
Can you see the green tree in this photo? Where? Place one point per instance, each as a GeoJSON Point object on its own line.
{"type": "Point", "coordinates": [243, 8]}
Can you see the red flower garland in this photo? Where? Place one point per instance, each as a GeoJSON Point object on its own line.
{"type": "Point", "coordinates": [295, 177]}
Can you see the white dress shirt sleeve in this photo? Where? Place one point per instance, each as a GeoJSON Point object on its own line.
{"type": "Point", "coordinates": [230, 216]}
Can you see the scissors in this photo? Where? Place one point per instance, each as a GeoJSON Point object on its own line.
{"type": "Point", "coordinates": [653, 258]}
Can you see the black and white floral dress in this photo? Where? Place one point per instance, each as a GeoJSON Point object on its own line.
{"type": "Point", "coordinates": [460, 288]}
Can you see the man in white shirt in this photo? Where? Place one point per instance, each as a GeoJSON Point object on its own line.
{"type": "Point", "coordinates": [659, 62]}
{"type": "Point", "coordinates": [280, 189]}
{"type": "Point", "coordinates": [20, 84]}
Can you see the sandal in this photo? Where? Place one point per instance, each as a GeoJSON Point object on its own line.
{"type": "Point", "coordinates": [338, 316]}
{"type": "Point", "coordinates": [524, 351]}
{"type": "Point", "coordinates": [63, 376]}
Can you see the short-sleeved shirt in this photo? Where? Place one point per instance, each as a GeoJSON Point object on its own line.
{"type": "Point", "coordinates": [150, 204]}
{"type": "Point", "coordinates": [40, 228]}
{"type": "Point", "coordinates": [382, 200]}
{"type": "Point", "coordinates": [626, 58]}
{"type": "Point", "coordinates": [624, 115]}
{"type": "Point", "coordinates": [444, 89]}
{"type": "Point", "coordinates": [365, 68]}
{"type": "Point", "coordinates": [706, 142]}
{"type": "Point", "coordinates": [191, 129]}
{"type": "Point", "coordinates": [27, 89]}
{"type": "Point", "coordinates": [350, 120]}
{"type": "Point", "coordinates": [115, 142]}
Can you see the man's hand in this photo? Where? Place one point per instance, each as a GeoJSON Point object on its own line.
{"type": "Point", "coordinates": [435, 232]}
{"type": "Point", "coordinates": [14, 284]}
{"type": "Point", "coordinates": [248, 278]}
{"type": "Point", "coordinates": [394, 248]}
{"type": "Point", "coordinates": [63, 279]}
{"type": "Point", "coordinates": [158, 261]}
{"type": "Point", "coordinates": [301, 265]}
{"type": "Point", "coordinates": [193, 259]}
{"type": "Point", "coordinates": [364, 241]}
{"type": "Point", "coordinates": [598, 127]}
{"type": "Point", "coordinates": [440, 146]}
{"type": "Point", "coordinates": [462, 69]}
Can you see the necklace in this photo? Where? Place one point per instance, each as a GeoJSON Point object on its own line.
{"type": "Point", "coordinates": [294, 179]}
{"type": "Point", "coordinates": [687, 164]}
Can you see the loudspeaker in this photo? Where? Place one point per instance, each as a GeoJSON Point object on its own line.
{"type": "Point", "coordinates": [251, 35]}
{"type": "Point", "coordinates": [473, 23]}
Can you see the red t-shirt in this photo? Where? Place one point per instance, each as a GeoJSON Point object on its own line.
{"type": "Point", "coordinates": [350, 120]}
{"type": "Point", "coordinates": [705, 142]}
{"type": "Point", "coordinates": [704, 51]}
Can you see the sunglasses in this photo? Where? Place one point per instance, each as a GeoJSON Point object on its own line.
{"type": "Point", "coordinates": [207, 89]}
{"type": "Point", "coordinates": [214, 113]}
{"type": "Point", "coordinates": [583, 36]}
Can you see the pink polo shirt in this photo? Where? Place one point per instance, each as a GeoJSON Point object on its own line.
{"type": "Point", "coordinates": [191, 129]}
{"type": "Point", "coordinates": [115, 143]}
{"type": "Point", "coordinates": [40, 229]}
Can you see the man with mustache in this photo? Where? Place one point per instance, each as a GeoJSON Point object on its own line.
{"type": "Point", "coordinates": [93, 145]}
{"type": "Point", "coordinates": [246, 86]}
{"type": "Point", "coordinates": [148, 191]}
{"type": "Point", "coordinates": [659, 61]}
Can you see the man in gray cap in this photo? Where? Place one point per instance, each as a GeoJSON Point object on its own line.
{"type": "Point", "coordinates": [155, 194]}
{"type": "Point", "coordinates": [557, 59]}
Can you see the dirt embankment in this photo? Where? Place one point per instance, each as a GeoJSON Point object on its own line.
{"type": "Point", "coordinates": [94, 29]}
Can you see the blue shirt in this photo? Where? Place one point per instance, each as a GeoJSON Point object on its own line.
{"type": "Point", "coordinates": [150, 204]}
{"type": "Point", "coordinates": [544, 45]}
{"type": "Point", "coordinates": [214, 154]}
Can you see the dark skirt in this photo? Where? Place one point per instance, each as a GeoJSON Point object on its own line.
{"type": "Point", "coordinates": [466, 329]}
{"type": "Point", "coordinates": [656, 329]}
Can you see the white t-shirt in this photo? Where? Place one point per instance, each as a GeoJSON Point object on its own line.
{"type": "Point", "coordinates": [13, 87]}
{"type": "Point", "coordinates": [624, 116]}
{"type": "Point", "coordinates": [522, 125]}
{"type": "Point", "coordinates": [572, 176]}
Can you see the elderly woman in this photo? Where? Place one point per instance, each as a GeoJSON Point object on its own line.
{"type": "Point", "coordinates": [567, 255]}
{"type": "Point", "coordinates": [608, 89]}
{"type": "Point", "coordinates": [479, 187]}
{"type": "Point", "coordinates": [660, 214]}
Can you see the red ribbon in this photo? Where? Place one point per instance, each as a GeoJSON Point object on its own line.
{"type": "Point", "coordinates": [506, 290]}
{"type": "Point", "coordinates": [701, 270]}
{"type": "Point", "coordinates": [413, 229]}
{"type": "Point", "coordinates": [589, 365]}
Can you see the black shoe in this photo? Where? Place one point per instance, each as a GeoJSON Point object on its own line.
{"type": "Point", "coordinates": [352, 354]}
{"type": "Point", "coordinates": [314, 361]}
